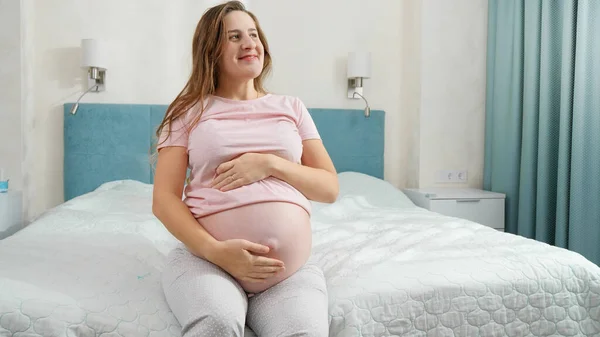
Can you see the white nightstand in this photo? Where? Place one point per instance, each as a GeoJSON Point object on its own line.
{"type": "Point", "coordinates": [10, 213]}
{"type": "Point", "coordinates": [484, 207]}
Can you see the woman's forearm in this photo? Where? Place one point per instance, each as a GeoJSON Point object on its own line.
{"type": "Point", "coordinates": [176, 217]}
{"type": "Point", "coordinates": [316, 184]}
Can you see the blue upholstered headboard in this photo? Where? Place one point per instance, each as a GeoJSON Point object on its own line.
{"type": "Point", "coordinates": [106, 142]}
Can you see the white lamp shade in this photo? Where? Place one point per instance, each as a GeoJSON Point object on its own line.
{"type": "Point", "coordinates": [359, 64]}
{"type": "Point", "coordinates": [92, 54]}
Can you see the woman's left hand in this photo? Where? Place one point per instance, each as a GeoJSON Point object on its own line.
{"type": "Point", "coordinates": [243, 170]}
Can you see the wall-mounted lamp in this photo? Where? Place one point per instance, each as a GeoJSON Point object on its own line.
{"type": "Point", "coordinates": [92, 59]}
{"type": "Point", "coordinates": [359, 68]}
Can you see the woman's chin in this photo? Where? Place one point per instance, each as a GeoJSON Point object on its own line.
{"type": "Point", "coordinates": [249, 72]}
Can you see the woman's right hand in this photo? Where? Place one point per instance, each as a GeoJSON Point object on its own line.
{"type": "Point", "coordinates": [241, 259]}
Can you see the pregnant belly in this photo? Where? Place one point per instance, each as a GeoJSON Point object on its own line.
{"type": "Point", "coordinates": [282, 226]}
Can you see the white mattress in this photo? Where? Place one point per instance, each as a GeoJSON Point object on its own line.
{"type": "Point", "coordinates": [92, 267]}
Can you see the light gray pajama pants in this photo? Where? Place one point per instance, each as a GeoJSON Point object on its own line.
{"type": "Point", "coordinates": [208, 302]}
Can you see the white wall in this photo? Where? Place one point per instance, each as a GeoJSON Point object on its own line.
{"type": "Point", "coordinates": [150, 41]}
{"type": "Point", "coordinates": [453, 82]}
{"type": "Point", "coordinates": [10, 92]}
{"type": "Point", "coordinates": [410, 91]}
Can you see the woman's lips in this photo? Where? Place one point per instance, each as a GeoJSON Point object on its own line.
{"type": "Point", "coordinates": [248, 57]}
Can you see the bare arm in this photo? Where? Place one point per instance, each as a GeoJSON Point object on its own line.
{"type": "Point", "coordinates": [168, 207]}
{"type": "Point", "coordinates": [316, 177]}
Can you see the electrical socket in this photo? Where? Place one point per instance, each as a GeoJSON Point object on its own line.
{"type": "Point", "coordinates": [451, 176]}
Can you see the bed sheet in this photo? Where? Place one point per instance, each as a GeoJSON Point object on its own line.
{"type": "Point", "coordinates": [92, 267]}
{"type": "Point", "coordinates": [89, 267]}
{"type": "Point", "coordinates": [412, 272]}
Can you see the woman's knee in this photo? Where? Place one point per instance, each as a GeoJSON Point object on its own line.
{"type": "Point", "coordinates": [205, 300]}
{"type": "Point", "coordinates": [214, 324]}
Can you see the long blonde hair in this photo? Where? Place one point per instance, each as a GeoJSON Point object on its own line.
{"type": "Point", "coordinates": [207, 47]}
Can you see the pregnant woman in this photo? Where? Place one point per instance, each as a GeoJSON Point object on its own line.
{"type": "Point", "coordinates": [255, 160]}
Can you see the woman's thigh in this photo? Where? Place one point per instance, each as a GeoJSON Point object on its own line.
{"type": "Point", "coordinates": [298, 306]}
{"type": "Point", "coordinates": [205, 299]}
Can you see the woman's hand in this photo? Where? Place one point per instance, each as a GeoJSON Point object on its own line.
{"type": "Point", "coordinates": [237, 257]}
{"type": "Point", "coordinates": [243, 170]}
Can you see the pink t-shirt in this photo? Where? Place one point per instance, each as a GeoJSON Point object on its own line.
{"type": "Point", "coordinates": [229, 128]}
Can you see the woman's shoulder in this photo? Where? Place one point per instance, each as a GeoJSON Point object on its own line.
{"type": "Point", "coordinates": [280, 96]}
{"type": "Point", "coordinates": [291, 101]}
{"type": "Point", "coordinates": [198, 109]}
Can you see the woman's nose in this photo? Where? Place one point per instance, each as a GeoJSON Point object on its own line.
{"type": "Point", "coordinates": [248, 43]}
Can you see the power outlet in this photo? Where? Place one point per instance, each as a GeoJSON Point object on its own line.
{"type": "Point", "coordinates": [451, 176]}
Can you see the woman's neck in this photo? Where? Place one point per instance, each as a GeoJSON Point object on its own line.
{"type": "Point", "coordinates": [237, 91]}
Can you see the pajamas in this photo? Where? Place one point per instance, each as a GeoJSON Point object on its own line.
{"type": "Point", "coordinates": [208, 302]}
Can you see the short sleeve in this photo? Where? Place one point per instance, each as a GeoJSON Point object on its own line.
{"type": "Point", "coordinates": [306, 125]}
{"type": "Point", "coordinates": [177, 137]}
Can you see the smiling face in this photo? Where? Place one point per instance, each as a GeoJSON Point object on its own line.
{"type": "Point", "coordinates": [242, 57]}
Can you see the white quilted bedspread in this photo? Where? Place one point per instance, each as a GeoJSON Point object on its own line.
{"type": "Point", "coordinates": [416, 273]}
{"type": "Point", "coordinates": [91, 267]}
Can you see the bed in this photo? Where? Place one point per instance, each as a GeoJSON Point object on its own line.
{"type": "Point", "coordinates": [91, 266]}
